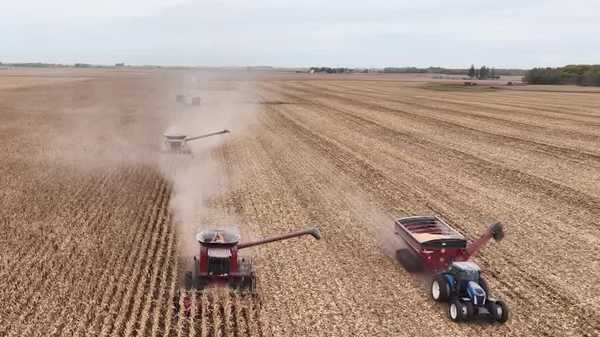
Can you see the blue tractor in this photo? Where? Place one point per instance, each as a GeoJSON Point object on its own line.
{"type": "Point", "coordinates": [467, 293]}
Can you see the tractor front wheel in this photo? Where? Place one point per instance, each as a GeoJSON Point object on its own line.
{"type": "Point", "coordinates": [440, 289]}
{"type": "Point", "coordinates": [457, 311]}
{"type": "Point", "coordinates": [469, 310]}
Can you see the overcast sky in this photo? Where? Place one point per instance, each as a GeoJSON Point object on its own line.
{"type": "Point", "coordinates": [374, 33]}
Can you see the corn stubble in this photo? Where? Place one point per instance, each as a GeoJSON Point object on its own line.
{"type": "Point", "coordinates": [94, 251]}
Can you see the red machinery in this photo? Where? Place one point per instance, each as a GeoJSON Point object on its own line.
{"type": "Point", "coordinates": [178, 143]}
{"type": "Point", "coordinates": [433, 244]}
{"type": "Point", "coordinates": [219, 263]}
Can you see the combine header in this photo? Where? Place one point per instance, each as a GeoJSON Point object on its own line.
{"type": "Point", "coordinates": [218, 264]}
{"type": "Point", "coordinates": [442, 251]}
{"type": "Point", "coordinates": [178, 143]}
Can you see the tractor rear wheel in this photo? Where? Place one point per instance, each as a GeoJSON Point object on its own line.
{"type": "Point", "coordinates": [440, 289]}
{"type": "Point", "coordinates": [499, 311]}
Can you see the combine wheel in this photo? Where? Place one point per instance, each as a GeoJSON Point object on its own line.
{"type": "Point", "coordinates": [188, 281]}
{"type": "Point", "coordinates": [499, 311]}
{"type": "Point", "coordinates": [457, 311]}
{"type": "Point", "coordinates": [440, 289]}
{"type": "Point", "coordinates": [248, 285]}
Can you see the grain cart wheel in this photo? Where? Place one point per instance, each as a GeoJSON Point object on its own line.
{"type": "Point", "coordinates": [497, 231]}
{"type": "Point", "coordinates": [440, 289]}
{"type": "Point", "coordinates": [457, 311]}
{"type": "Point", "coordinates": [409, 261]}
{"type": "Point", "coordinates": [499, 311]}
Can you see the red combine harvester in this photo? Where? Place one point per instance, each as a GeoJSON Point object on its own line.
{"type": "Point", "coordinates": [441, 250]}
{"type": "Point", "coordinates": [433, 245]}
{"type": "Point", "coordinates": [219, 264]}
{"type": "Point", "coordinates": [178, 143]}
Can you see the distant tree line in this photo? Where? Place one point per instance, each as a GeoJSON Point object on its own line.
{"type": "Point", "coordinates": [482, 73]}
{"type": "Point", "coordinates": [586, 75]}
{"type": "Point", "coordinates": [330, 70]}
{"type": "Point", "coordinates": [430, 70]}
{"type": "Point", "coordinates": [35, 65]}
{"type": "Point", "coordinates": [405, 70]}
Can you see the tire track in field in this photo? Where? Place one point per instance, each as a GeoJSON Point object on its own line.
{"type": "Point", "coordinates": [576, 159]}
{"type": "Point", "coordinates": [341, 100]}
{"type": "Point", "coordinates": [499, 99]}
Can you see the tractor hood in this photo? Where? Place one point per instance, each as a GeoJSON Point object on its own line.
{"type": "Point", "coordinates": [476, 293]}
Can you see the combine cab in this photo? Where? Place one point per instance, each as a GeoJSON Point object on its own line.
{"type": "Point", "coordinates": [178, 143]}
{"type": "Point", "coordinates": [175, 143]}
{"type": "Point", "coordinates": [437, 248]}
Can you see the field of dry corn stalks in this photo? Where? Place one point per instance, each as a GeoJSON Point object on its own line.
{"type": "Point", "coordinates": [89, 246]}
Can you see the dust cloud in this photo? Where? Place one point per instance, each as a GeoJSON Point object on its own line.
{"type": "Point", "coordinates": [107, 126]}
{"type": "Point", "coordinates": [199, 180]}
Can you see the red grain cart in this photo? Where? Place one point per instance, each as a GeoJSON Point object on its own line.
{"type": "Point", "coordinates": [432, 244]}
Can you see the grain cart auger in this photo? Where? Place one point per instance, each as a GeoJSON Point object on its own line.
{"type": "Point", "coordinates": [219, 264]}
{"type": "Point", "coordinates": [178, 143]}
{"type": "Point", "coordinates": [441, 251]}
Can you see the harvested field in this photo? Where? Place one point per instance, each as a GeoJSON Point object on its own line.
{"type": "Point", "coordinates": [88, 246]}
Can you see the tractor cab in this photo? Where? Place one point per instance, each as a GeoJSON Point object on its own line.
{"type": "Point", "coordinates": [465, 271]}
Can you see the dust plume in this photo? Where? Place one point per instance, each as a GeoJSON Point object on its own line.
{"type": "Point", "coordinates": [99, 125]}
{"type": "Point", "coordinates": [200, 180]}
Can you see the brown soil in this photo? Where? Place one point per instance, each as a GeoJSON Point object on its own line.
{"type": "Point", "coordinates": [88, 247]}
